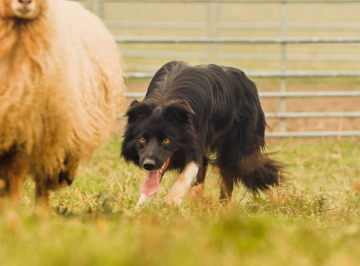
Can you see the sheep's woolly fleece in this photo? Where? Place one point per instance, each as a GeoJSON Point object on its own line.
{"type": "Point", "coordinates": [61, 84]}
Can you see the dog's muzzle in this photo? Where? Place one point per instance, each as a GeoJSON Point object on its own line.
{"type": "Point", "coordinates": [149, 165]}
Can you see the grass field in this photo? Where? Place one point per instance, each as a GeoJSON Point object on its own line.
{"type": "Point", "coordinates": [313, 219]}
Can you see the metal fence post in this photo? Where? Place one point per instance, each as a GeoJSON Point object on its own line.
{"type": "Point", "coordinates": [208, 31]}
{"type": "Point", "coordinates": [213, 39]}
{"type": "Point", "coordinates": [217, 33]}
{"type": "Point", "coordinates": [89, 5]}
{"type": "Point", "coordinates": [101, 9]}
{"type": "Point", "coordinates": [283, 66]}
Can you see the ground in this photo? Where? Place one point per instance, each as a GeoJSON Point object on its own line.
{"type": "Point", "coordinates": [312, 219]}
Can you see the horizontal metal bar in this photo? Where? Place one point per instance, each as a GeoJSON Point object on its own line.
{"type": "Point", "coordinates": [207, 40]}
{"type": "Point", "coordinates": [289, 57]}
{"type": "Point", "coordinates": [297, 94]}
{"type": "Point", "coordinates": [314, 115]}
{"type": "Point", "coordinates": [135, 94]}
{"type": "Point", "coordinates": [289, 26]}
{"type": "Point", "coordinates": [313, 134]}
{"type": "Point", "coordinates": [165, 54]}
{"type": "Point", "coordinates": [297, 74]}
{"type": "Point", "coordinates": [288, 74]}
{"type": "Point", "coordinates": [155, 25]}
{"type": "Point", "coordinates": [139, 75]}
{"type": "Point", "coordinates": [299, 114]}
{"type": "Point", "coordinates": [140, 68]}
{"type": "Point", "coordinates": [304, 94]}
{"type": "Point", "coordinates": [230, 25]}
{"type": "Point", "coordinates": [237, 56]}
{"type": "Point", "coordinates": [238, 1]}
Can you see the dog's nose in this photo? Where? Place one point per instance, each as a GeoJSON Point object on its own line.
{"type": "Point", "coordinates": [149, 165]}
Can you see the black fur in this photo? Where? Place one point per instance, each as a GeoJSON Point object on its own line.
{"type": "Point", "coordinates": [202, 110]}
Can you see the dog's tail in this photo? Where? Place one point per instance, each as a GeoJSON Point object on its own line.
{"type": "Point", "coordinates": [267, 173]}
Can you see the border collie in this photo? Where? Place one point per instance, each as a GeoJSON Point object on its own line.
{"type": "Point", "coordinates": [190, 113]}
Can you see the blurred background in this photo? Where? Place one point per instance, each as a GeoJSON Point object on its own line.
{"type": "Point", "coordinates": [303, 55]}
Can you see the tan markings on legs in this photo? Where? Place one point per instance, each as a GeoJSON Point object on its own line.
{"type": "Point", "coordinates": [182, 184]}
{"type": "Point", "coordinates": [197, 191]}
{"type": "Point", "coordinates": [226, 186]}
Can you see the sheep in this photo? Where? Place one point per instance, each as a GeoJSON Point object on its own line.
{"type": "Point", "coordinates": [61, 87]}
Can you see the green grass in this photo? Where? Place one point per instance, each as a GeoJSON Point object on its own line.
{"type": "Point", "coordinates": [313, 219]}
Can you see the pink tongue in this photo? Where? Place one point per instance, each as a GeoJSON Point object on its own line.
{"type": "Point", "coordinates": [151, 183]}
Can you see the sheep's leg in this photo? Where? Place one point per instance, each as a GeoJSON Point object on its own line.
{"type": "Point", "coordinates": [4, 176]}
{"type": "Point", "coordinates": [44, 186]}
{"type": "Point", "coordinates": [42, 194]}
{"type": "Point", "coordinates": [16, 178]}
{"type": "Point", "coordinates": [13, 170]}
{"type": "Point", "coordinates": [66, 176]}
{"type": "Point", "coordinates": [4, 186]}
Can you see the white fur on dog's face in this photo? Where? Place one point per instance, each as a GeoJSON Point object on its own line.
{"type": "Point", "coordinates": [24, 9]}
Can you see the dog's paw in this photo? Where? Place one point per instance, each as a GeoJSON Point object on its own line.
{"type": "Point", "coordinates": [144, 200]}
{"type": "Point", "coordinates": [172, 200]}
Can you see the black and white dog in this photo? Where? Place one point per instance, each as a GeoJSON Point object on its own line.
{"type": "Point", "coordinates": [189, 113]}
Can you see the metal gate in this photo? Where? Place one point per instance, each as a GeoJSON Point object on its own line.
{"type": "Point", "coordinates": [283, 41]}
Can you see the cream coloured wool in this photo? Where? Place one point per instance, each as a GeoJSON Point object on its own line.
{"type": "Point", "coordinates": [61, 86]}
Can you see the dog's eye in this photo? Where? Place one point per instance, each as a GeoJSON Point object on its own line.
{"type": "Point", "coordinates": [166, 141]}
{"type": "Point", "coordinates": [142, 140]}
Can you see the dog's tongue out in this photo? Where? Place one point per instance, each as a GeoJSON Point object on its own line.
{"type": "Point", "coordinates": [152, 180]}
{"type": "Point", "coordinates": [151, 183]}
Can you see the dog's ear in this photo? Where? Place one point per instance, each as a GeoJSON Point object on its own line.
{"type": "Point", "coordinates": [179, 111]}
{"type": "Point", "coordinates": [137, 110]}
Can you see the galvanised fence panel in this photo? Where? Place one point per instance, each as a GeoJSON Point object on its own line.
{"type": "Point", "coordinates": [98, 6]}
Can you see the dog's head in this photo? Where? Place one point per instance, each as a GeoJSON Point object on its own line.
{"type": "Point", "coordinates": [154, 133]}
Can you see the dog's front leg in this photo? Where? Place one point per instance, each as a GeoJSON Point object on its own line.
{"type": "Point", "coordinates": [144, 199]}
{"type": "Point", "coordinates": [182, 184]}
